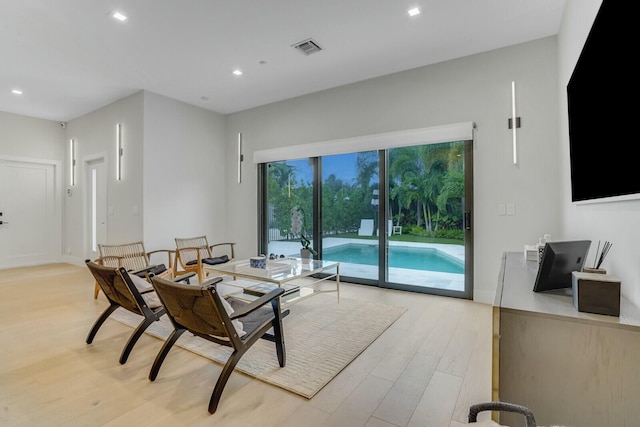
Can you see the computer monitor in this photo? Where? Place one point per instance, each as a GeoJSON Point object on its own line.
{"type": "Point", "coordinates": [559, 259]}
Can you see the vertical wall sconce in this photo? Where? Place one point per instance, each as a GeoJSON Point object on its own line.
{"type": "Point", "coordinates": [240, 157]}
{"type": "Point", "coordinates": [512, 120]}
{"type": "Point", "coordinates": [72, 162]}
{"type": "Point", "coordinates": [119, 152]}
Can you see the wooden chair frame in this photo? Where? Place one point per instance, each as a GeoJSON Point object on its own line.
{"type": "Point", "coordinates": [192, 253]}
{"type": "Point", "coordinates": [200, 310]}
{"type": "Point", "coordinates": [120, 291]}
{"type": "Point", "coordinates": [133, 257]}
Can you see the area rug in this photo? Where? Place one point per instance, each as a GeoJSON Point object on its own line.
{"type": "Point", "coordinates": [322, 337]}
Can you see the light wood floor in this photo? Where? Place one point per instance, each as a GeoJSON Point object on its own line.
{"type": "Point", "coordinates": [425, 370]}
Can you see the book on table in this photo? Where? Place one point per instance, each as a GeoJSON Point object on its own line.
{"type": "Point", "coordinates": [260, 289]}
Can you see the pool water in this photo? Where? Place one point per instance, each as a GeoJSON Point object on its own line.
{"type": "Point", "coordinates": [427, 259]}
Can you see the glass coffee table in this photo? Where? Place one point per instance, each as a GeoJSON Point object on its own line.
{"type": "Point", "coordinates": [283, 273]}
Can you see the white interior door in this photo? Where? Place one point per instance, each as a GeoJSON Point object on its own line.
{"type": "Point", "coordinates": [29, 230]}
{"type": "Point", "coordinates": [96, 199]}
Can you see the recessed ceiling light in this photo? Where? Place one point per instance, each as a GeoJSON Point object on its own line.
{"type": "Point", "coordinates": [237, 72]}
{"type": "Point", "coordinates": [120, 17]}
{"type": "Point", "coordinates": [16, 92]}
{"type": "Point", "coordinates": [413, 12]}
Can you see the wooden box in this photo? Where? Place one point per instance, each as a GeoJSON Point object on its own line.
{"type": "Point", "coordinates": [596, 293]}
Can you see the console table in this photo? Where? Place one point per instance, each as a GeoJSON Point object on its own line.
{"type": "Point", "coordinates": [568, 367]}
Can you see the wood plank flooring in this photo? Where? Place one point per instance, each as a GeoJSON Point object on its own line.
{"type": "Point", "coordinates": [425, 370]}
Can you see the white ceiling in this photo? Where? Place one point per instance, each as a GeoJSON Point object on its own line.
{"type": "Point", "coordinates": [70, 57]}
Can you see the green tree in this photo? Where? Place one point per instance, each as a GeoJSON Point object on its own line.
{"type": "Point", "coordinates": [449, 201]}
{"type": "Point", "coordinates": [430, 180]}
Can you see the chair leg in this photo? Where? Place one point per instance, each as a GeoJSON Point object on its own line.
{"type": "Point", "coordinates": [223, 378]}
{"type": "Point", "coordinates": [164, 351]}
{"type": "Point", "coordinates": [278, 334]}
{"type": "Point", "coordinates": [133, 339]}
{"type": "Point", "coordinates": [95, 291]}
{"type": "Point", "coordinates": [99, 321]}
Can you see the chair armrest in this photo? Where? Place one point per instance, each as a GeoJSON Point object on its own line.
{"type": "Point", "coordinates": [192, 248]}
{"type": "Point", "coordinates": [502, 406]}
{"type": "Point", "coordinates": [140, 270]}
{"type": "Point", "coordinates": [254, 305]}
{"type": "Point", "coordinates": [212, 281]}
{"type": "Point", "coordinates": [169, 253]}
{"type": "Point", "coordinates": [102, 259]}
{"type": "Point", "coordinates": [231, 247]}
{"type": "Point", "coordinates": [183, 277]}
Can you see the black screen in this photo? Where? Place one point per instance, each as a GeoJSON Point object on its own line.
{"type": "Point", "coordinates": [600, 96]}
{"type": "Point", "coordinates": [559, 260]}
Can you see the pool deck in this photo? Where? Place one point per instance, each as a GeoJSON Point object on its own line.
{"type": "Point", "coordinates": [430, 279]}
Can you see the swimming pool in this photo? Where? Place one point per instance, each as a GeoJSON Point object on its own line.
{"type": "Point", "coordinates": [427, 259]}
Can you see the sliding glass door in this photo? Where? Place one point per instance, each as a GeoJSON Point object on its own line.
{"type": "Point", "coordinates": [398, 218]}
{"type": "Point", "coordinates": [429, 209]}
{"type": "Point", "coordinates": [289, 207]}
{"type": "Point", "coordinates": [350, 213]}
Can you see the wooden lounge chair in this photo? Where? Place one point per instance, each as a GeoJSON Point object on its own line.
{"type": "Point", "coordinates": [201, 310]}
{"type": "Point", "coordinates": [126, 290]}
{"type": "Point", "coordinates": [134, 257]}
{"type": "Point", "coordinates": [193, 253]}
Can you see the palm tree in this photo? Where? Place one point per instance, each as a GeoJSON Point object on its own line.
{"type": "Point", "coordinates": [435, 161]}
{"type": "Point", "coordinates": [405, 170]}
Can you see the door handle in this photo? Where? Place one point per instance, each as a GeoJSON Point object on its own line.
{"type": "Point", "coordinates": [467, 220]}
{"type": "Point", "coordinates": [3, 222]}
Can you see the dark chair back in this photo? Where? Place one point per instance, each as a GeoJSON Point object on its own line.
{"type": "Point", "coordinates": [201, 310]}
{"type": "Point", "coordinates": [194, 307]}
{"type": "Point", "coordinates": [120, 290]}
{"type": "Point", "coordinates": [113, 285]}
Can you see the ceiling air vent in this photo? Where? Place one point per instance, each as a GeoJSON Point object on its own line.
{"type": "Point", "coordinates": [307, 47]}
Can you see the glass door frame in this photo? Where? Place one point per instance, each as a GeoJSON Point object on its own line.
{"type": "Point", "coordinates": [383, 240]}
{"type": "Point", "coordinates": [467, 209]}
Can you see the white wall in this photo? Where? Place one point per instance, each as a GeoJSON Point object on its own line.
{"type": "Point", "coordinates": [95, 135]}
{"type": "Point", "coordinates": [173, 173]}
{"type": "Point", "coordinates": [475, 88]}
{"type": "Point", "coordinates": [189, 178]}
{"type": "Point", "coordinates": [612, 221]}
{"type": "Point", "coordinates": [31, 139]}
{"type": "Point", "coordinates": [185, 188]}
{"type": "Point", "coordinates": [28, 137]}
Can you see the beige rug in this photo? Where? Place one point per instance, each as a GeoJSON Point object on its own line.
{"type": "Point", "coordinates": [321, 338]}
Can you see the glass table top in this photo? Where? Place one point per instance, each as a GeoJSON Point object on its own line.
{"type": "Point", "coordinates": [276, 271]}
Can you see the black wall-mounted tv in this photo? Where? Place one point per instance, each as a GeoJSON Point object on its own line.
{"type": "Point", "coordinates": [602, 95]}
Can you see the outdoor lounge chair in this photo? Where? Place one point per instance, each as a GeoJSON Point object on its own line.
{"type": "Point", "coordinates": [366, 227]}
{"type": "Point", "coordinates": [201, 310]}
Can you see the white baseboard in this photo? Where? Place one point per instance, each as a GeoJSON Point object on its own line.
{"type": "Point", "coordinates": [72, 260]}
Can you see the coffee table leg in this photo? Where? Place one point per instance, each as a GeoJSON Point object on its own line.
{"type": "Point", "coordinates": [338, 281]}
